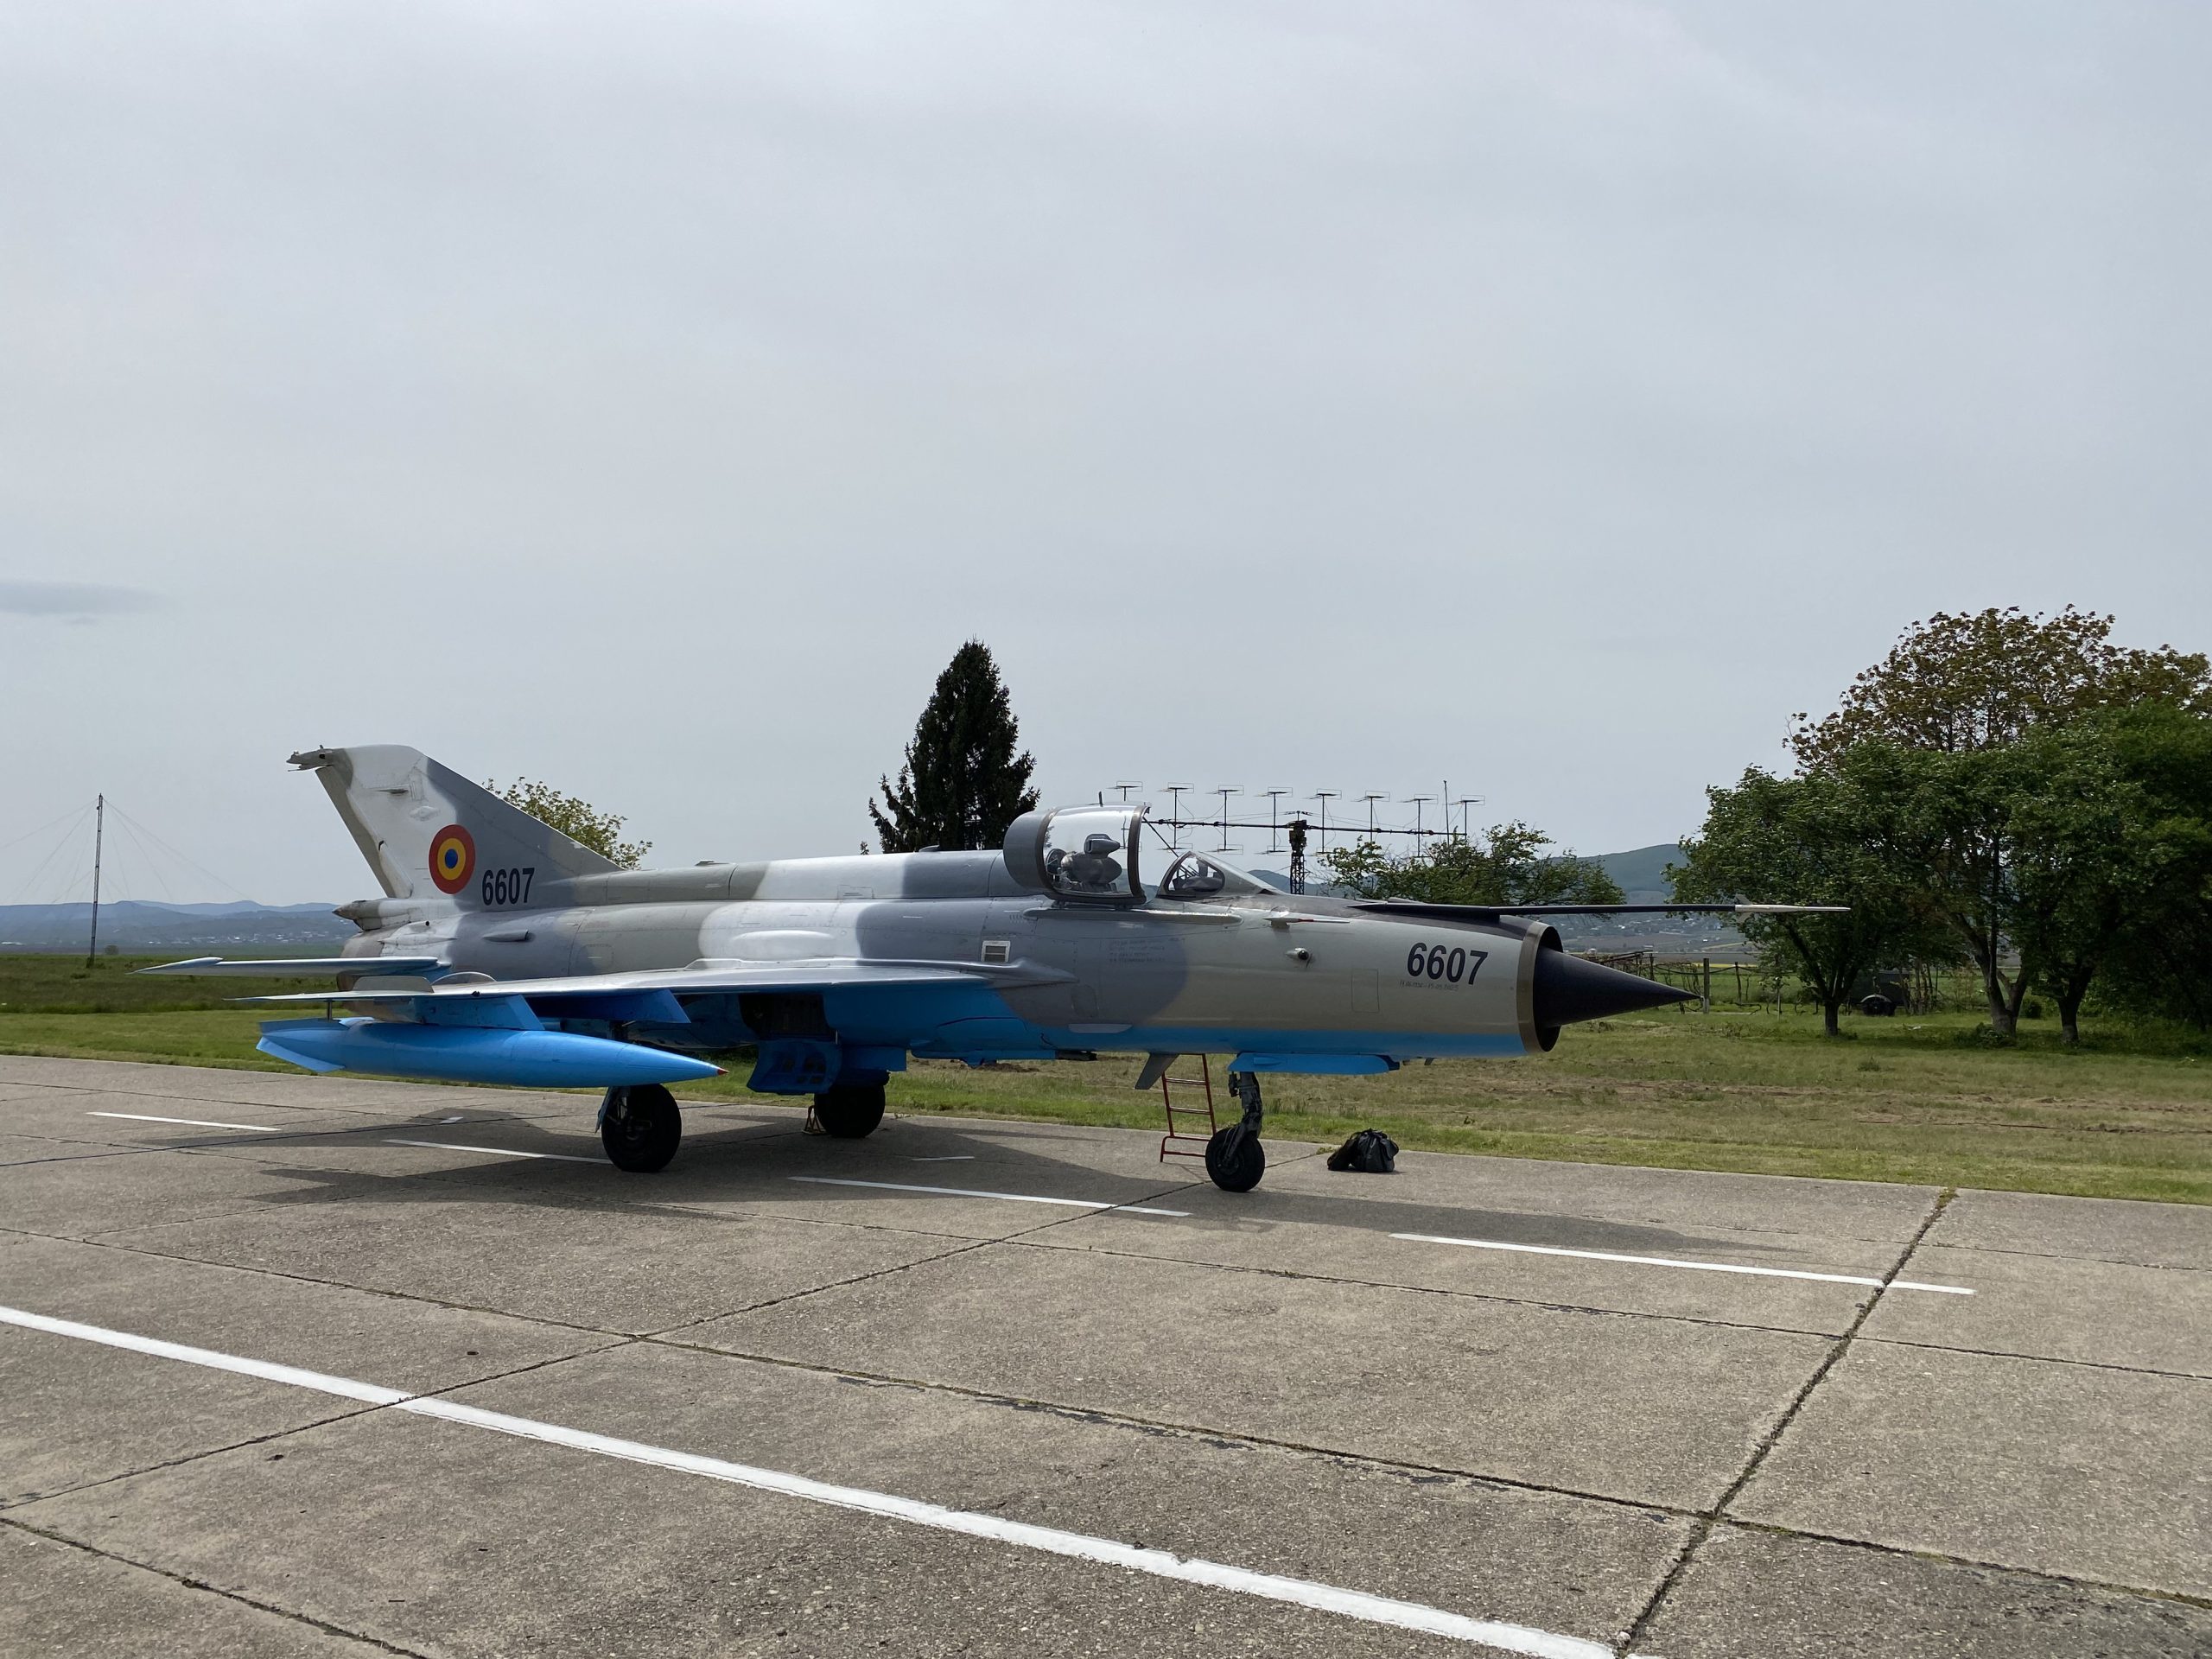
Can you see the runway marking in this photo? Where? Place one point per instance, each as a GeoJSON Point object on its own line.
{"type": "Point", "coordinates": [971, 1193]}
{"type": "Point", "coordinates": [1676, 1262]}
{"type": "Point", "coordinates": [196, 1122]}
{"type": "Point", "coordinates": [496, 1152]}
{"type": "Point", "coordinates": [1108, 1552]}
{"type": "Point", "coordinates": [344, 1387]}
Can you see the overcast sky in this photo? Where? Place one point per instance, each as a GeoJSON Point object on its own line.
{"type": "Point", "coordinates": [1549, 397]}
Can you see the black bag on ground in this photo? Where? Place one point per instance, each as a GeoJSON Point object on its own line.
{"type": "Point", "coordinates": [1368, 1153]}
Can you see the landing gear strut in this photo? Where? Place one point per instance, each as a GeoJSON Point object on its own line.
{"type": "Point", "coordinates": [640, 1127]}
{"type": "Point", "coordinates": [849, 1110]}
{"type": "Point", "coordinates": [1234, 1157]}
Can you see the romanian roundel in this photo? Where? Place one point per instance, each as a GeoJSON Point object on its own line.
{"type": "Point", "coordinates": [453, 858]}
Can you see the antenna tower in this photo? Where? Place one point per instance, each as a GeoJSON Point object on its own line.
{"type": "Point", "coordinates": [1325, 795]}
{"type": "Point", "coordinates": [99, 837]}
{"type": "Point", "coordinates": [1417, 802]}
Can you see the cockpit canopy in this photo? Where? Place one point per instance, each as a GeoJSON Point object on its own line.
{"type": "Point", "coordinates": [1103, 855]}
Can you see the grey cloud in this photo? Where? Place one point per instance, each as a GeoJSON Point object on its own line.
{"type": "Point", "coordinates": [1550, 394]}
{"type": "Point", "coordinates": [74, 602]}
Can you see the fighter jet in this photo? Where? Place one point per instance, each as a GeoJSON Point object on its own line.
{"type": "Point", "coordinates": [503, 952]}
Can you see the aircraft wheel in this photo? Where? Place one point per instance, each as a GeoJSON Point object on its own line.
{"type": "Point", "coordinates": [849, 1110]}
{"type": "Point", "coordinates": [1235, 1168]}
{"type": "Point", "coordinates": [640, 1127]}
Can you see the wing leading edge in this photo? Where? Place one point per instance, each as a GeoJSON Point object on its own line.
{"type": "Point", "coordinates": [1492, 913]}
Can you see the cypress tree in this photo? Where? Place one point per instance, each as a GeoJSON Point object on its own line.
{"type": "Point", "coordinates": [963, 782]}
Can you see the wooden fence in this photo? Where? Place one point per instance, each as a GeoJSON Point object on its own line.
{"type": "Point", "coordinates": [1725, 984]}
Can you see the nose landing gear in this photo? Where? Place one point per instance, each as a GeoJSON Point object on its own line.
{"type": "Point", "coordinates": [1234, 1159]}
{"type": "Point", "coordinates": [640, 1128]}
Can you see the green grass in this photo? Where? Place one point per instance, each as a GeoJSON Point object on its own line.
{"type": "Point", "coordinates": [204, 1038]}
{"type": "Point", "coordinates": [2127, 1116]}
{"type": "Point", "coordinates": [45, 984]}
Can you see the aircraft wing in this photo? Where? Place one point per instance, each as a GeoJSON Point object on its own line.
{"type": "Point", "coordinates": [293, 967]}
{"type": "Point", "coordinates": [469, 1028]}
{"type": "Point", "coordinates": [654, 991]}
{"type": "Point", "coordinates": [1416, 909]}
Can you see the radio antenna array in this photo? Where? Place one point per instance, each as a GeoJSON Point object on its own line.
{"type": "Point", "coordinates": [1307, 816]}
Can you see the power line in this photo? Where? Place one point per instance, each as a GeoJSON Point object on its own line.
{"type": "Point", "coordinates": [68, 838]}
{"type": "Point", "coordinates": [193, 865]}
{"type": "Point", "coordinates": [71, 812]}
{"type": "Point", "coordinates": [153, 869]}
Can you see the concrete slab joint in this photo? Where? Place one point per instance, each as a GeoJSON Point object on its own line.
{"type": "Point", "coordinates": [299, 1368]}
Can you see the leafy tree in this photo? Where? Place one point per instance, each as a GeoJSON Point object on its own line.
{"type": "Point", "coordinates": [2096, 849]}
{"type": "Point", "coordinates": [2038, 858]}
{"type": "Point", "coordinates": [1506, 865]}
{"type": "Point", "coordinates": [1958, 683]}
{"type": "Point", "coordinates": [2161, 964]}
{"type": "Point", "coordinates": [576, 818]}
{"type": "Point", "coordinates": [1948, 819]}
{"type": "Point", "coordinates": [1987, 744]}
{"type": "Point", "coordinates": [1807, 840]}
{"type": "Point", "coordinates": [2159, 968]}
{"type": "Point", "coordinates": [962, 782]}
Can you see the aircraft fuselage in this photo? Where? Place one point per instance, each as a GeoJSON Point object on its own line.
{"type": "Point", "coordinates": [1259, 972]}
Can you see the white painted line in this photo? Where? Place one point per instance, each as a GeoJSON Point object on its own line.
{"type": "Point", "coordinates": [195, 1122]}
{"type": "Point", "coordinates": [1673, 1262]}
{"type": "Point", "coordinates": [496, 1152]}
{"type": "Point", "coordinates": [1108, 1551]}
{"type": "Point", "coordinates": [346, 1388]}
{"type": "Point", "coordinates": [1353, 1603]}
{"type": "Point", "coordinates": [968, 1192]}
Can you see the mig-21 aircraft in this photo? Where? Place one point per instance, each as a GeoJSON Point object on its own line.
{"type": "Point", "coordinates": [503, 952]}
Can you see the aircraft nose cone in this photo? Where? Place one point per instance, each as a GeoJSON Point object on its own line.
{"type": "Point", "coordinates": [1569, 989]}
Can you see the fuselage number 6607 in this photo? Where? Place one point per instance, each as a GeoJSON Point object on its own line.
{"type": "Point", "coordinates": [1450, 965]}
{"type": "Point", "coordinates": [508, 886]}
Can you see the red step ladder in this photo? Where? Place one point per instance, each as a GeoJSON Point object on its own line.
{"type": "Point", "coordinates": [1194, 1143]}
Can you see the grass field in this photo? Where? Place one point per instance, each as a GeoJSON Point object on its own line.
{"type": "Point", "coordinates": [37, 984]}
{"type": "Point", "coordinates": [1901, 1100]}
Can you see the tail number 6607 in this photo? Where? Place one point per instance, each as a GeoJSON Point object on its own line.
{"type": "Point", "coordinates": [1450, 965]}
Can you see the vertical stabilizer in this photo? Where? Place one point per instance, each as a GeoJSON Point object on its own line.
{"type": "Point", "coordinates": [430, 833]}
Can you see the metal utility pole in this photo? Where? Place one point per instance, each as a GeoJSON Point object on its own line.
{"type": "Point", "coordinates": [1275, 815]}
{"type": "Point", "coordinates": [1175, 793]}
{"type": "Point", "coordinates": [99, 835]}
{"type": "Point", "coordinates": [1371, 798]}
{"type": "Point", "coordinates": [1225, 792]}
{"type": "Point", "coordinates": [1417, 802]}
{"type": "Point", "coordinates": [1325, 795]}
{"type": "Point", "coordinates": [1467, 818]}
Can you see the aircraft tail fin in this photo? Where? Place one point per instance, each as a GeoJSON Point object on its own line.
{"type": "Point", "coordinates": [428, 832]}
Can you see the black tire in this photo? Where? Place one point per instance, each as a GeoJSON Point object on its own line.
{"type": "Point", "coordinates": [640, 1128]}
{"type": "Point", "coordinates": [1237, 1170]}
{"type": "Point", "coordinates": [850, 1110]}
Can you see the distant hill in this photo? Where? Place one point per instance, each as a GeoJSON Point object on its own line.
{"type": "Point", "coordinates": [135, 927]}
{"type": "Point", "coordinates": [1642, 874]}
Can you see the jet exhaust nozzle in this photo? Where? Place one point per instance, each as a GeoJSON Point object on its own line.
{"type": "Point", "coordinates": [1570, 990]}
{"type": "Point", "coordinates": [532, 1059]}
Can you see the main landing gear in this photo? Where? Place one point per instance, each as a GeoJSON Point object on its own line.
{"type": "Point", "coordinates": [849, 1110]}
{"type": "Point", "coordinates": [1234, 1157]}
{"type": "Point", "coordinates": [640, 1127]}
